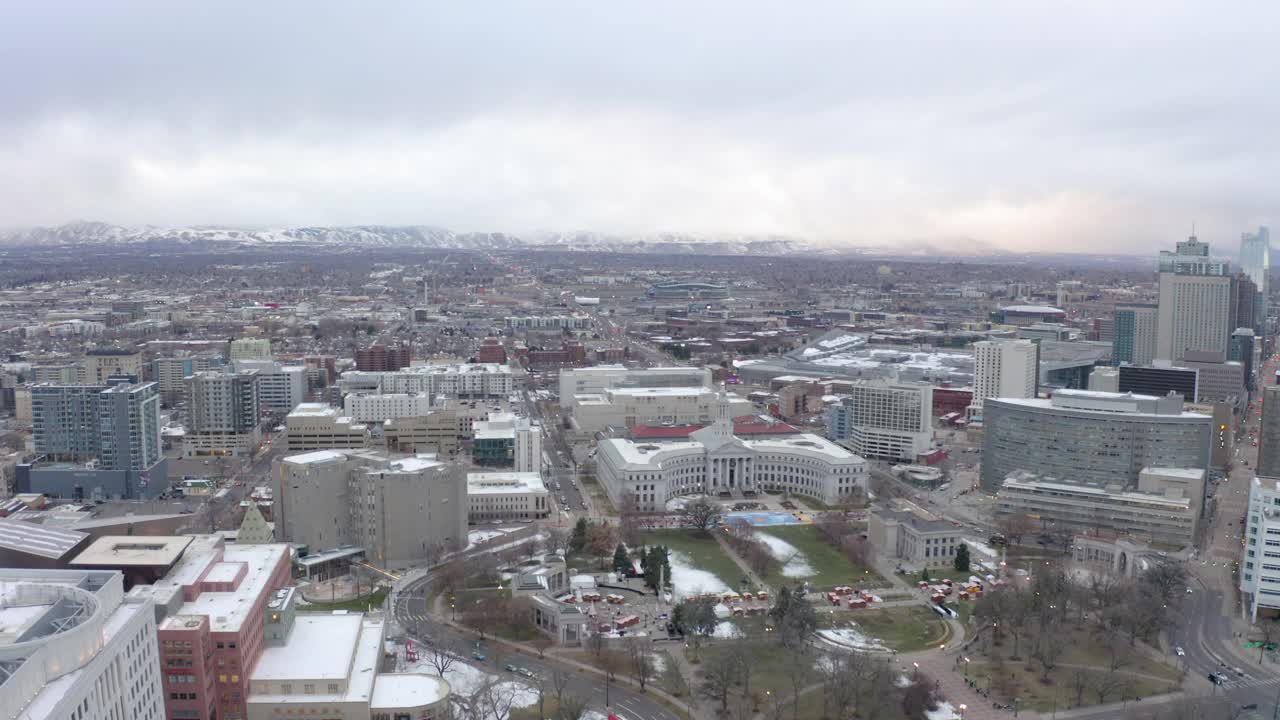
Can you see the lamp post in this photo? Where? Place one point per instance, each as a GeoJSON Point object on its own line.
{"type": "Point", "coordinates": [966, 668]}
{"type": "Point", "coordinates": [962, 708]}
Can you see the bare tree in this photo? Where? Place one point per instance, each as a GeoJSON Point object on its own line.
{"type": "Point", "coordinates": [719, 674]}
{"type": "Point", "coordinates": [602, 538]}
{"type": "Point", "coordinates": [1079, 682]}
{"type": "Point", "coordinates": [559, 681]}
{"type": "Point", "coordinates": [700, 514]}
{"type": "Point", "coordinates": [558, 540]}
{"type": "Point", "coordinates": [1048, 647]}
{"type": "Point", "coordinates": [493, 699]}
{"type": "Point", "coordinates": [1104, 684]}
{"type": "Point", "coordinates": [639, 662]}
{"type": "Point", "coordinates": [441, 655]}
{"type": "Point", "coordinates": [799, 669]}
{"type": "Point", "coordinates": [629, 522]}
{"type": "Point", "coordinates": [570, 707]}
{"type": "Point", "coordinates": [595, 641]}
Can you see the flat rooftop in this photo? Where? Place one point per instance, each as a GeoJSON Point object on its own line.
{"type": "Point", "coordinates": [320, 647]}
{"type": "Point", "coordinates": [497, 483]}
{"type": "Point", "coordinates": [396, 691]}
{"type": "Point", "coordinates": [132, 550]}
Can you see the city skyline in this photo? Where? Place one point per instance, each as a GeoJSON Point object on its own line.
{"type": "Point", "coordinates": [994, 128]}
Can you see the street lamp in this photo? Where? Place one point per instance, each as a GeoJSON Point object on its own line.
{"type": "Point", "coordinates": [962, 708]}
{"type": "Point", "coordinates": [966, 670]}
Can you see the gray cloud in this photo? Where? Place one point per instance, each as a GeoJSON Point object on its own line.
{"type": "Point", "coordinates": [1112, 126]}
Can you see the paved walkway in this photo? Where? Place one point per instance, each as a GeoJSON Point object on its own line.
{"type": "Point", "coordinates": [742, 565]}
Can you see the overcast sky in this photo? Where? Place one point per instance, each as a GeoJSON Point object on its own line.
{"type": "Point", "coordinates": [1108, 128]}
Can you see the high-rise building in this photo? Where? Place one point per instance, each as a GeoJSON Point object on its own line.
{"type": "Point", "coordinates": [1244, 302]}
{"type": "Point", "coordinates": [1196, 298]}
{"type": "Point", "coordinates": [402, 510]}
{"type": "Point", "coordinates": [1134, 339]}
{"type": "Point", "coordinates": [224, 413]}
{"type": "Point", "coordinates": [77, 647]}
{"type": "Point", "coordinates": [1091, 438]}
{"type": "Point", "coordinates": [115, 428]}
{"type": "Point", "coordinates": [1002, 368]}
{"type": "Point", "coordinates": [883, 419]}
{"type": "Point", "coordinates": [1260, 561]}
{"type": "Point", "coordinates": [171, 373]}
{"type": "Point", "coordinates": [380, 358]}
{"type": "Point", "coordinates": [1269, 433]}
{"type": "Point", "coordinates": [1255, 261]}
{"type": "Point", "coordinates": [1241, 351]}
{"type": "Point", "coordinates": [280, 387]}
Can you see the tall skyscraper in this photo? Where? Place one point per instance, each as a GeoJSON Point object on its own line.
{"type": "Point", "coordinates": [1269, 434]}
{"type": "Point", "coordinates": [1002, 368]}
{"type": "Point", "coordinates": [1195, 302]}
{"type": "Point", "coordinates": [1134, 342]}
{"type": "Point", "coordinates": [1255, 261]}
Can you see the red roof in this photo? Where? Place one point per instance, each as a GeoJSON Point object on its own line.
{"type": "Point", "coordinates": [746, 425]}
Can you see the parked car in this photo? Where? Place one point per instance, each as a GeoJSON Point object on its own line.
{"type": "Point", "coordinates": [1179, 652]}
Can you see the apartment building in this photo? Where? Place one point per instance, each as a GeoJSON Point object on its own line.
{"type": "Point", "coordinates": [380, 358]}
{"type": "Point", "coordinates": [224, 414]}
{"type": "Point", "coordinates": [376, 407]}
{"type": "Point", "coordinates": [1195, 307]}
{"type": "Point", "coordinates": [884, 419]}
{"type": "Point", "coordinates": [506, 440]}
{"type": "Point", "coordinates": [280, 387]}
{"type": "Point", "coordinates": [507, 496]}
{"type": "Point", "coordinates": [249, 348]}
{"type": "Point", "coordinates": [401, 510]}
{"type": "Point", "coordinates": [95, 441]}
{"type": "Point", "coordinates": [171, 373]}
{"type": "Point", "coordinates": [77, 647]}
{"type": "Point", "coordinates": [1003, 368]}
{"type": "Point", "coordinates": [459, 380]}
{"type": "Point", "coordinates": [1134, 342]}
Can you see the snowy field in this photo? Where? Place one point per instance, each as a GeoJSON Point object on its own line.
{"type": "Point", "coordinates": [944, 711]}
{"type": "Point", "coordinates": [475, 537]}
{"type": "Point", "coordinates": [852, 638]}
{"type": "Point", "coordinates": [794, 562]}
{"type": "Point", "coordinates": [689, 580]}
{"type": "Point", "coordinates": [726, 630]}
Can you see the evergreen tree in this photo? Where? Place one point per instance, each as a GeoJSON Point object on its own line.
{"type": "Point", "coordinates": [962, 558]}
{"type": "Point", "coordinates": [924, 575]}
{"type": "Point", "coordinates": [621, 563]}
{"type": "Point", "coordinates": [578, 539]}
{"type": "Point", "coordinates": [657, 567]}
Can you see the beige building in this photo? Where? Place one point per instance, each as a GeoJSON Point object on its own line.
{"type": "Point", "coordinates": [316, 426]}
{"type": "Point", "coordinates": [250, 349]}
{"type": "Point", "coordinates": [1164, 508]}
{"type": "Point", "coordinates": [440, 432]}
{"type": "Point", "coordinates": [913, 536]}
{"type": "Point", "coordinates": [98, 365]}
{"type": "Point", "coordinates": [515, 496]}
{"type": "Point", "coordinates": [632, 406]}
{"type": "Point", "coordinates": [402, 510]}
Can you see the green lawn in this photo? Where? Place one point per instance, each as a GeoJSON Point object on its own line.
{"type": "Point", "coordinates": [360, 604]}
{"type": "Point", "coordinates": [703, 551]}
{"type": "Point", "coordinates": [669, 679]}
{"type": "Point", "coordinates": [905, 629]}
{"type": "Point", "coordinates": [832, 567]}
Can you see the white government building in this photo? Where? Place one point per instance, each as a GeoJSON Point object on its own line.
{"type": "Point", "coordinates": [716, 462]}
{"type": "Point", "coordinates": [516, 496]}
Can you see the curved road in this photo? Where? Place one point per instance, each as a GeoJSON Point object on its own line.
{"type": "Point", "coordinates": [412, 613]}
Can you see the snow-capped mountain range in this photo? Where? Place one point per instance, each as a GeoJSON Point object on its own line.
{"type": "Point", "coordinates": [423, 236]}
